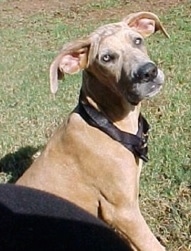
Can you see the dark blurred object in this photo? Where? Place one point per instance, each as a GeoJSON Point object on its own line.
{"type": "Point", "coordinates": [32, 220]}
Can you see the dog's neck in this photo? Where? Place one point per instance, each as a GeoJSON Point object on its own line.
{"type": "Point", "coordinates": [111, 103]}
{"type": "Point", "coordinates": [134, 142]}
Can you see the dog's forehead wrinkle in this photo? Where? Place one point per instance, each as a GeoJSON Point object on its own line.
{"type": "Point", "coordinates": [111, 31]}
{"type": "Point", "coordinates": [114, 44]}
{"type": "Point", "coordinates": [108, 29]}
{"type": "Point", "coordinates": [110, 45]}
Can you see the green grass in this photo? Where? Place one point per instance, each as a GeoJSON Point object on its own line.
{"type": "Point", "coordinates": [29, 114]}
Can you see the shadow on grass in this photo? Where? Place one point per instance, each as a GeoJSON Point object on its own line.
{"type": "Point", "coordinates": [16, 163]}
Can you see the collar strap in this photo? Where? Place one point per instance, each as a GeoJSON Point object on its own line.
{"type": "Point", "coordinates": [137, 144]}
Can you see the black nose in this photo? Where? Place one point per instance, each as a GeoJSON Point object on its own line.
{"type": "Point", "coordinates": [147, 72]}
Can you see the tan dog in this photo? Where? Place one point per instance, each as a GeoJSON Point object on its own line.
{"type": "Point", "coordinates": [85, 164]}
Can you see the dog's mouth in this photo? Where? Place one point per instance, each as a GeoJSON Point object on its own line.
{"type": "Point", "coordinates": [155, 90]}
{"type": "Point", "coordinates": [156, 85]}
{"type": "Point", "coordinates": [145, 89]}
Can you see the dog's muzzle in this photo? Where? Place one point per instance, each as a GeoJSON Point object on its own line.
{"type": "Point", "coordinates": [147, 81]}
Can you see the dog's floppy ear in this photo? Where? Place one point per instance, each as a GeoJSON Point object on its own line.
{"type": "Point", "coordinates": [146, 23]}
{"type": "Point", "coordinates": [72, 58]}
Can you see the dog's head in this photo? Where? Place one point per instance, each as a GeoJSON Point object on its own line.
{"type": "Point", "coordinates": [114, 56]}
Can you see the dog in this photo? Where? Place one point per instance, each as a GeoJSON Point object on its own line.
{"type": "Point", "coordinates": [94, 159]}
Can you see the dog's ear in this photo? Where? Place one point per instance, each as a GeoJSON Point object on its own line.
{"type": "Point", "coordinates": [146, 23]}
{"type": "Point", "coordinates": [72, 58]}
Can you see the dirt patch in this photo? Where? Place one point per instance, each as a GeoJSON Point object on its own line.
{"type": "Point", "coordinates": [75, 9]}
{"type": "Point", "coordinates": [28, 6]}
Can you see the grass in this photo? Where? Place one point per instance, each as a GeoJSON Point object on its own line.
{"type": "Point", "coordinates": [29, 114]}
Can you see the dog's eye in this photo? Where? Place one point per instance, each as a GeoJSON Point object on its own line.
{"type": "Point", "coordinates": [106, 58]}
{"type": "Point", "coordinates": [138, 41]}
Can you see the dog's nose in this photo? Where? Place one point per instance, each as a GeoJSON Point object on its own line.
{"type": "Point", "coordinates": [147, 72]}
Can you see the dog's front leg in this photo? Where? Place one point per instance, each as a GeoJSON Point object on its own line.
{"type": "Point", "coordinates": [131, 224]}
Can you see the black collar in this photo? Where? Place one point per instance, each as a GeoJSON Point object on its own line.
{"type": "Point", "coordinates": [137, 144]}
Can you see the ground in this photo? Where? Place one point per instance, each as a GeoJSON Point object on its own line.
{"type": "Point", "coordinates": [27, 7]}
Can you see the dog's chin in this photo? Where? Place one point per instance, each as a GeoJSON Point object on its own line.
{"type": "Point", "coordinates": [155, 90]}
{"type": "Point", "coordinates": [135, 99]}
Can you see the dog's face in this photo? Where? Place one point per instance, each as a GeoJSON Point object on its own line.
{"type": "Point", "coordinates": [121, 60]}
{"type": "Point", "coordinates": [115, 55]}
